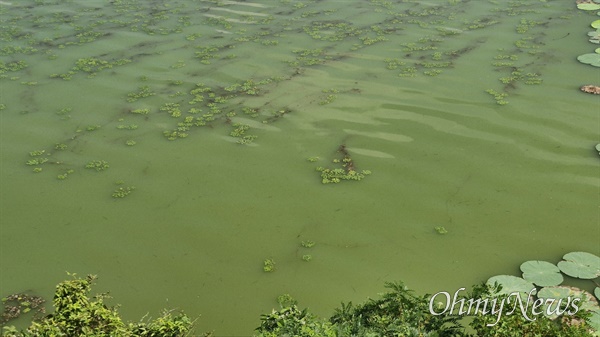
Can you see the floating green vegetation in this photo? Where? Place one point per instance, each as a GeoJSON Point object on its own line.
{"type": "Point", "coordinates": [441, 230]}
{"type": "Point", "coordinates": [592, 59]}
{"type": "Point", "coordinates": [98, 165]}
{"type": "Point", "coordinates": [309, 57]}
{"type": "Point", "coordinates": [37, 160]}
{"type": "Point", "coordinates": [64, 113]}
{"type": "Point", "coordinates": [499, 97]}
{"type": "Point", "coordinates": [268, 265]}
{"type": "Point", "coordinates": [123, 191]}
{"type": "Point", "coordinates": [307, 244]}
{"type": "Point", "coordinates": [331, 96]}
{"type": "Point", "coordinates": [143, 92]}
{"type": "Point", "coordinates": [239, 132]}
{"type": "Point", "coordinates": [346, 171]}
{"type": "Point", "coordinates": [226, 101]}
{"type": "Point", "coordinates": [172, 109]}
{"type": "Point", "coordinates": [92, 127]}
{"type": "Point", "coordinates": [12, 66]}
{"type": "Point", "coordinates": [543, 279]}
{"type": "Point", "coordinates": [64, 175]}
{"type": "Point", "coordinates": [16, 305]}
{"type": "Point", "coordinates": [143, 111]}
{"type": "Point", "coordinates": [127, 126]}
{"type": "Point", "coordinates": [331, 30]}
{"type": "Point", "coordinates": [588, 6]}
{"type": "Point", "coordinates": [91, 66]}
{"type": "Point", "coordinates": [306, 257]}
{"type": "Point", "coordinates": [524, 25]}
{"type": "Point", "coordinates": [394, 63]}
{"type": "Point", "coordinates": [433, 72]}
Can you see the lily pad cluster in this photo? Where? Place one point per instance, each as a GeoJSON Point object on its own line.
{"type": "Point", "coordinates": [592, 59]}
{"type": "Point", "coordinates": [543, 279]}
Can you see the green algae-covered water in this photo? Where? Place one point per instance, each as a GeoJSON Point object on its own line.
{"type": "Point", "coordinates": [207, 126]}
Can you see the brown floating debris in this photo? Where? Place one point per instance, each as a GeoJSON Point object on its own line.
{"type": "Point", "coordinates": [591, 89]}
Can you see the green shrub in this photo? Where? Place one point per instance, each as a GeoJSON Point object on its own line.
{"type": "Point", "coordinates": [76, 314]}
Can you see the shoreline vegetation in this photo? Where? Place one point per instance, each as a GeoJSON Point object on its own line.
{"type": "Point", "coordinates": [505, 306]}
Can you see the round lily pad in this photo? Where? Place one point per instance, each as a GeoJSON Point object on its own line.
{"type": "Point", "coordinates": [598, 147]}
{"type": "Point", "coordinates": [591, 59]}
{"type": "Point", "coordinates": [541, 273]}
{"type": "Point", "coordinates": [511, 284]}
{"type": "Point", "coordinates": [596, 24]}
{"type": "Point", "coordinates": [597, 292]}
{"type": "Point", "coordinates": [597, 50]}
{"type": "Point", "coordinates": [580, 265]}
{"type": "Point", "coordinates": [588, 7]}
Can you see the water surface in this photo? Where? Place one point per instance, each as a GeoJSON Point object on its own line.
{"type": "Point", "coordinates": [402, 85]}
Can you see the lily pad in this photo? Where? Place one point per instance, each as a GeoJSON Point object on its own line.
{"type": "Point", "coordinates": [598, 147]}
{"type": "Point", "coordinates": [559, 295]}
{"type": "Point", "coordinates": [594, 36]}
{"type": "Point", "coordinates": [591, 59]}
{"type": "Point", "coordinates": [594, 322]}
{"type": "Point", "coordinates": [597, 292]}
{"type": "Point", "coordinates": [554, 292]}
{"type": "Point", "coordinates": [580, 265]}
{"type": "Point", "coordinates": [541, 273]}
{"type": "Point", "coordinates": [597, 51]}
{"type": "Point", "coordinates": [596, 24]}
{"type": "Point", "coordinates": [511, 284]}
{"type": "Point", "coordinates": [587, 301]}
{"type": "Point", "coordinates": [588, 7]}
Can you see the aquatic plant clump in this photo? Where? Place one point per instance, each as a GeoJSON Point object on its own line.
{"type": "Point", "coordinates": [16, 305]}
{"type": "Point", "coordinates": [268, 265]}
{"type": "Point", "coordinates": [98, 165]}
{"type": "Point", "coordinates": [346, 171]}
{"type": "Point", "coordinates": [122, 192]}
